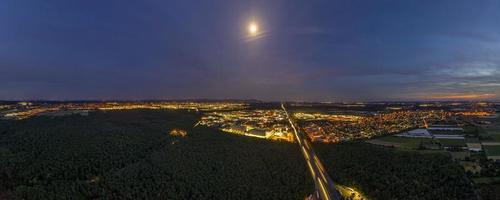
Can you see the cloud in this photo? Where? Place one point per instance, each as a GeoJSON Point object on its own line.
{"type": "Point", "coordinates": [471, 70]}
{"type": "Point", "coordinates": [310, 30]}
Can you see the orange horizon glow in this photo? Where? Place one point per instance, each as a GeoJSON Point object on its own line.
{"type": "Point", "coordinates": [462, 96]}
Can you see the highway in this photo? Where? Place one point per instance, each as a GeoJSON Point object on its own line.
{"type": "Point", "coordinates": [325, 189]}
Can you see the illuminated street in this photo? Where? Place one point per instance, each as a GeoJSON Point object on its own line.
{"type": "Point", "coordinates": [325, 188]}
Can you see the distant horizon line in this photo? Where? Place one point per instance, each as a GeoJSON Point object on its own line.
{"type": "Point", "coordinates": [246, 100]}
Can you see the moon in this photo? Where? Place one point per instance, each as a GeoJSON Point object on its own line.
{"type": "Point", "coordinates": [253, 29]}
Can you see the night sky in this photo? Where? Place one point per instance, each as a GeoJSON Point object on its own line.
{"type": "Point", "coordinates": [305, 50]}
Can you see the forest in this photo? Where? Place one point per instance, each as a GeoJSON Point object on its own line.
{"type": "Point", "coordinates": [130, 155]}
{"type": "Point", "coordinates": [386, 173]}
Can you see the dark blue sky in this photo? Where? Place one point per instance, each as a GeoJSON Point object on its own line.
{"type": "Point", "coordinates": [307, 50]}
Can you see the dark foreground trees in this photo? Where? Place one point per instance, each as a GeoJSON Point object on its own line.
{"type": "Point", "coordinates": [130, 155]}
{"type": "Point", "coordinates": [385, 173]}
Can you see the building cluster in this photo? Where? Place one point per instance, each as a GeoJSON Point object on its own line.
{"type": "Point", "coordinates": [184, 105]}
{"type": "Point", "coordinates": [336, 129]}
{"type": "Point", "coordinates": [436, 132]}
{"type": "Point", "coordinates": [349, 122]}
{"type": "Point", "coordinates": [232, 117]}
{"type": "Point", "coordinates": [327, 117]}
{"type": "Point", "coordinates": [269, 124]}
{"type": "Point", "coordinates": [178, 132]}
{"type": "Point", "coordinates": [23, 110]}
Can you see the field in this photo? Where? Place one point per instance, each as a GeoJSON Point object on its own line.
{"type": "Point", "coordinates": [492, 150]}
{"type": "Point", "coordinates": [472, 140]}
{"type": "Point", "coordinates": [495, 137]}
{"type": "Point", "coordinates": [413, 143]}
{"type": "Point", "coordinates": [453, 142]}
{"type": "Point", "coordinates": [470, 130]}
{"type": "Point", "coordinates": [400, 142]}
{"type": "Point", "coordinates": [486, 180]}
{"type": "Point", "coordinates": [446, 132]}
{"type": "Point", "coordinates": [491, 132]}
{"type": "Point", "coordinates": [130, 155]}
{"type": "Point", "coordinates": [494, 130]}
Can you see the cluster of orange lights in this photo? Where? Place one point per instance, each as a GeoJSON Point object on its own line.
{"type": "Point", "coordinates": [476, 113]}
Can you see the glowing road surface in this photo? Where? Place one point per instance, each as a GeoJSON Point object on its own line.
{"type": "Point", "coordinates": [325, 188]}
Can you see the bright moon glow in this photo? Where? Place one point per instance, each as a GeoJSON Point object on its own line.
{"type": "Point", "coordinates": [253, 29]}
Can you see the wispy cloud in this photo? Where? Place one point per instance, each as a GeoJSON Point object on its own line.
{"type": "Point", "coordinates": [311, 30]}
{"type": "Point", "coordinates": [474, 69]}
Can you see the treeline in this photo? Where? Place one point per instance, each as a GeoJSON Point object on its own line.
{"type": "Point", "coordinates": [384, 173]}
{"type": "Point", "coordinates": [130, 155]}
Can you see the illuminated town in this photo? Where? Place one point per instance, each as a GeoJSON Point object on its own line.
{"type": "Point", "coordinates": [332, 128]}
{"type": "Point", "coordinates": [430, 126]}
{"type": "Point", "coordinates": [285, 100]}
{"type": "Point", "coordinates": [239, 118]}
{"type": "Point", "coordinates": [269, 124]}
{"type": "Point", "coordinates": [23, 110]}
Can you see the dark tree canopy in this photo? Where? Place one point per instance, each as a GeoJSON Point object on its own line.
{"type": "Point", "coordinates": [130, 155]}
{"type": "Point", "coordinates": [386, 173]}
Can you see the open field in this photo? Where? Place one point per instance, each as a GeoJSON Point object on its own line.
{"type": "Point", "coordinates": [445, 132]}
{"type": "Point", "coordinates": [452, 142]}
{"type": "Point", "coordinates": [492, 150]}
{"type": "Point", "coordinates": [491, 132]}
{"type": "Point", "coordinates": [472, 140]}
{"type": "Point", "coordinates": [400, 142]}
{"type": "Point", "coordinates": [486, 180]}
{"type": "Point", "coordinates": [495, 137]}
{"type": "Point", "coordinates": [472, 130]}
